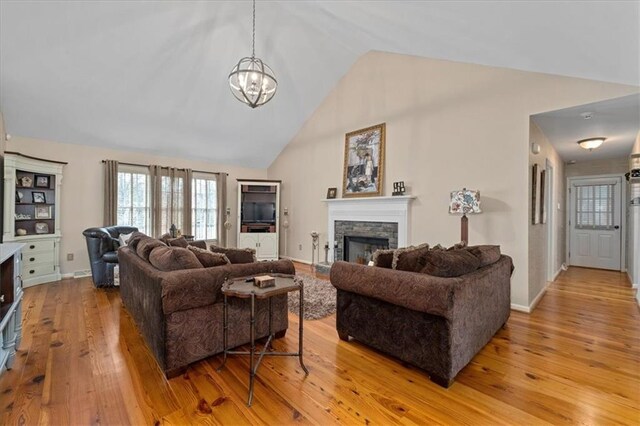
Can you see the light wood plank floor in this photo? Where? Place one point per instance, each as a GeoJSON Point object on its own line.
{"type": "Point", "coordinates": [574, 360]}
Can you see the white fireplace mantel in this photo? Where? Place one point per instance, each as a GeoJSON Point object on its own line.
{"type": "Point", "coordinates": [371, 209]}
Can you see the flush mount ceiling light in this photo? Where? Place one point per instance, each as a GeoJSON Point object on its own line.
{"type": "Point", "coordinates": [251, 80]}
{"type": "Point", "coordinates": [591, 143]}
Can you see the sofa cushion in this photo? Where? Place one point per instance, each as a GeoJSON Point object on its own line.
{"type": "Point", "coordinates": [123, 239]}
{"type": "Point", "coordinates": [178, 242]}
{"type": "Point", "coordinates": [458, 246]}
{"type": "Point", "coordinates": [208, 258]}
{"type": "Point", "coordinates": [486, 254]}
{"type": "Point", "coordinates": [173, 258]}
{"type": "Point", "coordinates": [383, 258]}
{"type": "Point", "coordinates": [236, 255]}
{"type": "Point", "coordinates": [409, 259]}
{"type": "Point", "coordinates": [135, 238]}
{"type": "Point", "coordinates": [145, 246]}
{"type": "Point", "coordinates": [199, 243]}
{"type": "Point", "coordinates": [449, 263]}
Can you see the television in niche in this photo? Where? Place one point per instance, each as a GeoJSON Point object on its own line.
{"type": "Point", "coordinates": [257, 212]}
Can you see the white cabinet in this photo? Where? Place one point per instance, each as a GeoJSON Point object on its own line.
{"type": "Point", "coordinates": [32, 214]}
{"type": "Point", "coordinates": [259, 217]}
{"type": "Point", "coordinates": [10, 303]}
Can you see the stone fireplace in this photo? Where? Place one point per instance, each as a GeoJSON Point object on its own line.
{"type": "Point", "coordinates": [382, 219]}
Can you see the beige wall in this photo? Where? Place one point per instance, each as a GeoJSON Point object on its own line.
{"type": "Point", "coordinates": [449, 125]}
{"type": "Point", "coordinates": [82, 187]}
{"type": "Point", "coordinates": [598, 167]}
{"type": "Point", "coordinates": [539, 234]}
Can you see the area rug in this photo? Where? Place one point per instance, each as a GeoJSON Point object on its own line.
{"type": "Point", "coordinates": [319, 298]}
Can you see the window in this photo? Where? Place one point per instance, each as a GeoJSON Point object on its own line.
{"type": "Point", "coordinates": [133, 200]}
{"type": "Point", "coordinates": [171, 203]}
{"type": "Point", "coordinates": [204, 211]}
{"type": "Point", "coordinates": [594, 206]}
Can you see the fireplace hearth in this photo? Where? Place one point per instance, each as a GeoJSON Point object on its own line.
{"type": "Point", "coordinates": [360, 249]}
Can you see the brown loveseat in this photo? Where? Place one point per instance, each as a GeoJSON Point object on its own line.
{"type": "Point", "coordinates": [179, 312]}
{"type": "Point", "coordinates": [437, 324]}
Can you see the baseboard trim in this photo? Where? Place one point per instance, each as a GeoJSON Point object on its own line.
{"type": "Point", "coordinates": [520, 308]}
{"type": "Point", "coordinates": [65, 276]}
{"type": "Point", "coordinates": [558, 272]}
{"type": "Point", "coordinates": [537, 299]}
{"type": "Point", "coordinates": [293, 259]}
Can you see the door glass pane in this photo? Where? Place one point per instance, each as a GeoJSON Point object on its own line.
{"type": "Point", "coordinates": [594, 207]}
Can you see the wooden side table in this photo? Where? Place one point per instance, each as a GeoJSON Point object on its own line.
{"type": "Point", "coordinates": [245, 290]}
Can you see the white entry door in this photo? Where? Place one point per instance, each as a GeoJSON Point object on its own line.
{"type": "Point", "coordinates": [594, 223]}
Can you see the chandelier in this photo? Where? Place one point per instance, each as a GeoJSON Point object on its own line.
{"type": "Point", "coordinates": [251, 80]}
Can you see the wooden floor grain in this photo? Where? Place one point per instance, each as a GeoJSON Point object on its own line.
{"type": "Point", "coordinates": [574, 360]}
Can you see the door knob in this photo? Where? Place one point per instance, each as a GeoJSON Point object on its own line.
{"type": "Point", "coordinates": [616, 227]}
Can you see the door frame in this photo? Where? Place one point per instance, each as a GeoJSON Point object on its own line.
{"type": "Point", "coordinates": [623, 215]}
{"type": "Point", "coordinates": [550, 208]}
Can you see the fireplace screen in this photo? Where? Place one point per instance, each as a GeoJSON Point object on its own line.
{"type": "Point", "coordinates": [361, 249]}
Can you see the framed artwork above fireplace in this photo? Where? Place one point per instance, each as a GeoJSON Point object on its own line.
{"type": "Point", "coordinates": [364, 162]}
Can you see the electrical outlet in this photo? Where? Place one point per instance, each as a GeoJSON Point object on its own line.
{"type": "Point", "coordinates": [69, 256]}
{"type": "Point", "coordinates": [300, 247]}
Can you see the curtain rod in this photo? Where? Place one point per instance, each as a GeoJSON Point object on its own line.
{"type": "Point", "coordinates": [166, 167]}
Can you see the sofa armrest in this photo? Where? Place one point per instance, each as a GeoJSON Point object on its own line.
{"type": "Point", "coordinates": [412, 290]}
{"type": "Point", "coordinates": [193, 288]}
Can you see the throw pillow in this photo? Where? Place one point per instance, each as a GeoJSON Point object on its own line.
{"type": "Point", "coordinates": [383, 258]}
{"type": "Point", "coordinates": [135, 238]}
{"type": "Point", "coordinates": [236, 255]}
{"type": "Point", "coordinates": [485, 254]}
{"type": "Point", "coordinates": [178, 242]}
{"type": "Point", "coordinates": [409, 258]}
{"type": "Point", "coordinates": [123, 239]}
{"type": "Point", "coordinates": [446, 264]}
{"type": "Point", "coordinates": [146, 245]}
{"type": "Point", "coordinates": [208, 258]}
{"type": "Point", "coordinates": [458, 246]}
{"type": "Point", "coordinates": [173, 258]}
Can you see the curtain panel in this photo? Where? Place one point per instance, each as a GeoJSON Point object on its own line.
{"type": "Point", "coordinates": [221, 188]}
{"type": "Point", "coordinates": [110, 215]}
{"type": "Point", "coordinates": [170, 199]}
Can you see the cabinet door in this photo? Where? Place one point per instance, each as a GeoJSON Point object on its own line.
{"type": "Point", "coordinates": [248, 240]}
{"type": "Point", "coordinates": [267, 246]}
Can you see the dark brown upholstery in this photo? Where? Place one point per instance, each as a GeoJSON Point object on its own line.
{"type": "Point", "coordinates": [409, 258]}
{"type": "Point", "coordinates": [236, 255]}
{"type": "Point", "coordinates": [179, 313]}
{"type": "Point", "coordinates": [209, 259]}
{"type": "Point", "coordinates": [449, 263]}
{"type": "Point", "coordinates": [485, 254]}
{"type": "Point", "coordinates": [173, 259]}
{"type": "Point", "coordinates": [437, 324]}
{"type": "Point", "coordinates": [383, 258]}
{"type": "Point", "coordinates": [179, 242]}
{"type": "Point", "coordinates": [135, 238]}
{"type": "Point", "coordinates": [144, 247]}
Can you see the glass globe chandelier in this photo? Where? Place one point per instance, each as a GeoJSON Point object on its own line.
{"type": "Point", "coordinates": [251, 80]}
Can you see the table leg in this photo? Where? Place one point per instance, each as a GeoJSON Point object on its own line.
{"type": "Point", "coordinates": [225, 331]}
{"type": "Point", "coordinates": [270, 316]}
{"type": "Point", "coordinates": [300, 331]}
{"type": "Point", "coordinates": [252, 351]}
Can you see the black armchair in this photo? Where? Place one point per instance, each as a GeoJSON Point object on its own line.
{"type": "Point", "coordinates": [102, 244]}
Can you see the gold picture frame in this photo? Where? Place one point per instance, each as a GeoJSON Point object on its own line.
{"type": "Point", "coordinates": [363, 173]}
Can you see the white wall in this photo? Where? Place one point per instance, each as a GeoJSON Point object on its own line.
{"type": "Point", "coordinates": [633, 223]}
{"type": "Point", "coordinates": [538, 234]}
{"type": "Point", "coordinates": [82, 188]}
{"type": "Point", "coordinates": [449, 125]}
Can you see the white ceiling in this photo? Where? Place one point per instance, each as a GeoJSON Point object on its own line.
{"type": "Point", "coordinates": [618, 120]}
{"type": "Point", "coordinates": [152, 76]}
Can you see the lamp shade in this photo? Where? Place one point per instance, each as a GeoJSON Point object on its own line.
{"type": "Point", "coordinates": [465, 201]}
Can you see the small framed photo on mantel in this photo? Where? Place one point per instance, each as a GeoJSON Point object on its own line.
{"type": "Point", "coordinates": [332, 193]}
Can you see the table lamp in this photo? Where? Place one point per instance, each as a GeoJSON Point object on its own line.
{"type": "Point", "coordinates": [465, 201]}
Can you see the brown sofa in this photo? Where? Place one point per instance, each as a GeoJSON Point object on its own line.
{"type": "Point", "coordinates": [179, 312]}
{"type": "Point", "coordinates": [437, 324]}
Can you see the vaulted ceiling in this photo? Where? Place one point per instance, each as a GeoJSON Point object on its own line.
{"type": "Point", "coordinates": [152, 76]}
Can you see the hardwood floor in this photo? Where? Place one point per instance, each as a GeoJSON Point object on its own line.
{"type": "Point", "coordinates": [575, 359]}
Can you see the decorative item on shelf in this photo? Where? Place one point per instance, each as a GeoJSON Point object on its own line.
{"type": "Point", "coordinates": [42, 228]}
{"type": "Point", "coordinates": [314, 246]}
{"type": "Point", "coordinates": [332, 193]}
{"type": "Point", "coordinates": [466, 201]}
{"type": "Point", "coordinates": [38, 197]}
{"type": "Point", "coordinates": [364, 162]}
{"type": "Point", "coordinates": [285, 222]}
{"type": "Point", "coordinates": [398, 188]}
{"type": "Point", "coordinates": [19, 196]}
{"type": "Point", "coordinates": [178, 233]}
{"type": "Point", "coordinates": [326, 252]}
{"type": "Point", "coordinates": [42, 181]}
{"type": "Point", "coordinates": [43, 212]}
{"type": "Point", "coordinates": [22, 216]}
{"type": "Point", "coordinates": [25, 182]}
{"type": "Point", "coordinates": [173, 231]}
{"type": "Point", "coordinates": [591, 143]}
{"type": "Point", "coordinates": [251, 80]}
{"type": "Point", "coordinates": [21, 232]}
